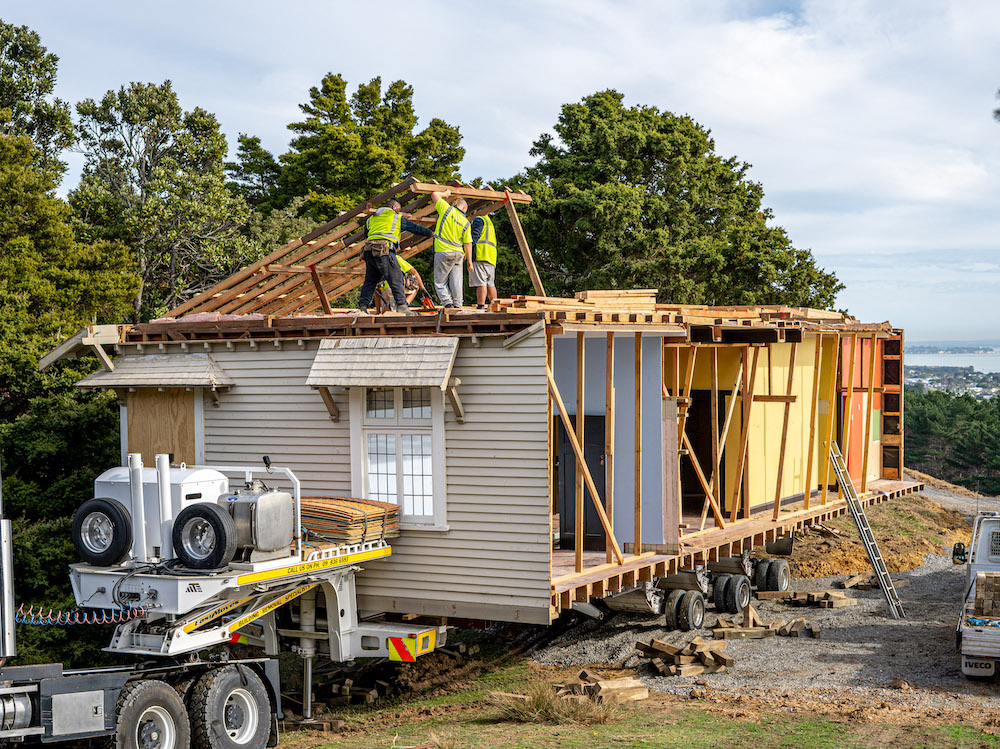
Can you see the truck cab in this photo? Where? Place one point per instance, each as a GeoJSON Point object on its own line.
{"type": "Point", "coordinates": [977, 635]}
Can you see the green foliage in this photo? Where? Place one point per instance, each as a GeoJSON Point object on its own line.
{"type": "Point", "coordinates": [638, 198]}
{"type": "Point", "coordinates": [153, 179]}
{"type": "Point", "coordinates": [27, 79]}
{"type": "Point", "coordinates": [348, 149]}
{"type": "Point", "coordinates": [254, 174]}
{"type": "Point", "coordinates": [954, 437]}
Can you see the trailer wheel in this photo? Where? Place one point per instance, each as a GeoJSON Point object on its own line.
{"type": "Point", "coordinates": [719, 592]}
{"type": "Point", "coordinates": [151, 715]}
{"type": "Point", "coordinates": [204, 536]}
{"type": "Point", "coordinates": [737, 594]}
{"type": "Point", "coordinates": [760, 574]}
{"type": "Point", "coordinates": [692, 611]}
{"type": "Point", "coordinates": [778, 577]}
{"type": "Point", "coordinates": [672, 608]}
{"type": "Point", "coordinates": [230, 708]}
{"type": "Point", "coordinates": [102, 532]}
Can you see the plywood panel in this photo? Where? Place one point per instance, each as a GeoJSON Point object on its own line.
{"type": "Point", "coordinates": [161, 421]}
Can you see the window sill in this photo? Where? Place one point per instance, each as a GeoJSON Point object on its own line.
{"type": "Point", "coordinates": [411, 526]}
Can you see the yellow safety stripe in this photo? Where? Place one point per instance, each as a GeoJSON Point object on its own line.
{"type": "Point", "coordinates": [214, 614]}
{"type": "Point", "coordinates": [258, 613]}
{"type": "Point", "coordinates": [303, 567]}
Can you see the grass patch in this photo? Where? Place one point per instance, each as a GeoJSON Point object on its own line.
{"type": "Point", "coordinates": [541, 705]}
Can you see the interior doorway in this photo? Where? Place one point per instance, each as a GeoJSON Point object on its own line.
{"type": "Point", "coordinates": [593, 450]}
{"type": "Point", "coordinates": [699, 431]}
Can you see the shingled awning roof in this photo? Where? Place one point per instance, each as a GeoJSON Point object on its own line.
{"type": "Point", "coordinates": [288, 281]}
{"type": "Point", "coordinates": [415, 361]}
{"type": "Point", "coordinates": [161, 371]}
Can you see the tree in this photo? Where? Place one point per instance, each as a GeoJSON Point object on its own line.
{"type": "Point", "coordinates": [348, 149]}
{"type": "Point", "coordinates": [254, 174]}
{"type": "Point", "coordinates": [27, 80]}
{"type": "Point", "coordinates": [154, 180]}
{"type": "Point", "coordinates": [637, 198]}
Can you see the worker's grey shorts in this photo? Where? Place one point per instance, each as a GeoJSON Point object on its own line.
{"type": "Point", "coordinates": [483, 274]}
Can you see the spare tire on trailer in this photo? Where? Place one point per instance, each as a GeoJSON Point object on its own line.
{"type": "Point", "coordinates": [102, 532]}
{"type": "Point", "coordinates": [692, 611]}
{"type": "Point", "coordinates": [778, 576]}
{"type": "Point", "coordinates": [230, 709]}
{"type": "Point", "coordinates": [737, 594]}
{"type": "Point", "coordinates": [671, 608]}
{"type": "Point", "coordinates": [204, 536]}
{"type": "Point", "coordinates": [719, 592]}
{"type": "Point", "coordinates": [151, 713]}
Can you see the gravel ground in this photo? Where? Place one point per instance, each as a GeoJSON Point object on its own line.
{"type": "Point", "coordinates": [861, 652]}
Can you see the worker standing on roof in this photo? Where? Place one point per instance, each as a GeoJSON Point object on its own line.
{"type": "Point", "coordinates": [379, 253]}
{"type": "Point", "coordinates": [452, 244]}
{"type": "Point", "coordinates": [482, 260]}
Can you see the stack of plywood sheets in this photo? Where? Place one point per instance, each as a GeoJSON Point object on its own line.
{"type": "Point", "coordinates": [348, 520]}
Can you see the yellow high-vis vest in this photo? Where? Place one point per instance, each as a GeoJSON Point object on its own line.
{"type": "Point", "coordinates": [486, 245]}
{"type": "Point", "coordinates": [451, 228]}
{"type": "Point", "coordinates": [385, 224]}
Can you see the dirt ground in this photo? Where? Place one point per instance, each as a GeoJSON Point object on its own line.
{"type": "Point", "coordinates": [881, 681]}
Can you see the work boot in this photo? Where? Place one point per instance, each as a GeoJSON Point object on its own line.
{"type": "Point", "coordinates": [405, 309]}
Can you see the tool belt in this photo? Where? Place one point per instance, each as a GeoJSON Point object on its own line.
{"type": "Point", "coordinates": [379, 247]}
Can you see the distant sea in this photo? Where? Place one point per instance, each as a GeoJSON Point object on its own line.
{"type": "Point", "coordinates": [981, 362]}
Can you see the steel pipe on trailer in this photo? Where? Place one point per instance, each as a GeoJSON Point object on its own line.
{"type": "Point", "coordinates": [138, 509]}
{"type": "Point", "coordinates": [166, 507]}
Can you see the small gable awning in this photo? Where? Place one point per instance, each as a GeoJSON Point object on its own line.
{"type": "Point", "coordinates": [161, 371]}
{"type": "Point", "coordinates": [413, 361]}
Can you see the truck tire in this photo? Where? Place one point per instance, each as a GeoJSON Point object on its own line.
{"type": "Point", "coordinates": [102, 532]}
{"type": "Point", "coordinates": [760, 574]}
{"type": "Point", "coordinates": [692, 611]}
{"type": "Point", "coordinates": [737, 594]}
{"type": "Point", "coordinates": [204, 536]}
{"type": "Point", "coordinates": [671, 608]}
{"type": "Point", "coordinates": [151, 713]}
{"type": "Point", "coordinates": [719, 592]}
{"type": "Point", "coordinates": [778, 576]}
{"type": "Point", "coordinates": [229, 709]}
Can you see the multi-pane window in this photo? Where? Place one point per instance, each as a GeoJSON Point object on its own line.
{"type": "Point", "coordinates": [399, 456]}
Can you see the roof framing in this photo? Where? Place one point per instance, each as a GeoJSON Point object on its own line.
{"type": "Point", "coordinates": [301, 277]}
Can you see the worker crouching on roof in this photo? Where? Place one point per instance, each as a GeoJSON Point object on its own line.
{"type": "Point", "coordinates": [452, 244]}
{"type": "Point", "coordinates": [482, 259]}
{"type": "Point", "coordinates": [379, 253]}
{"type": "Point", "coordinates": [412, 283]}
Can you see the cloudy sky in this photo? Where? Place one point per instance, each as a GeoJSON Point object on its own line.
{"type": "Point", "coordinates": [868, 123]}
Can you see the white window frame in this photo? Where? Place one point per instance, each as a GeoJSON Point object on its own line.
{"type": "Point", "coordinates": [361, 427]}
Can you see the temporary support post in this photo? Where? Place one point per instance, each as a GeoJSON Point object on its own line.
{"type": "Point", "coordinates": [553, 444]}
{"type": "Point", "coordinates": [581, 460]}
{"type": "Point", "coordinates": [845, 447]}
{"type": "Point", "coordinates": [868, 412]}
{"type": "Point", "coordinates": [715, 423]}
{"type": "Point", "coordinates": [522, 242]}
{"type": "Point", "coordinates": [638, 444]}
{"type": "Point", "coordinates": [784, 431]}
{"type": "Point", "coordinates": [579, 525]}
{"type": "Point", "coordinates": [813, 408]}
{"type": "Point", "coordinates": [709, 499]}
{"type": "Point", "coordinates": [737, 389]}
{"type": "Point", "coordinates": [741, 458]}
{"type": "Point", "coordinates": [320, 291]}
{"type": "Point", "coordinates": [609, 435]}
{"type": "Point", "coordinates": [833, 410]}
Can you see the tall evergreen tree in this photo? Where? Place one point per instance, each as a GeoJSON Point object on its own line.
{"type": "Point", "coordinates": [154, 180]}
{"type": "Point", "coordinates": [348, 148]}
{"type": "Point", "coordinates": [638, 198]}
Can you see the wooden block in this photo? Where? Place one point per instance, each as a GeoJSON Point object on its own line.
{"type": "Point", "coordinates": [683, 660]}
{"type": "Point", "coordinates": [664, 647]}
{"type": "Point", "coordinates": [624, 694]}
{"type": "Point", "coordinates": [751, 618]}
{"type": "Point", "coordinates": [771, 595]}
{"type": "Point", "coordinates": [700, 645]}
{"type": "Point", "coordinates": [814, 629]}
{"type": "Point", "coordinates": [724, 624]}
{"type": "Point", "coordinates": [724, 660]}
{"type": "Point", "coordinates": [609, 684]}
{"type": "Point", "coordinates": [660, 665]}
{"type": "Point", "coordinates": [775, 624]}
{"type": "Point", "coordinates": [838, 603]}
{"type": "Point", "coordinates": [853, 581]}
{"type": "Point", "coordinates": [589, 677]}
{"type": "Point", "coordinates": [692, 670]}
{"type": "Point", "coordinates": [745, 634]}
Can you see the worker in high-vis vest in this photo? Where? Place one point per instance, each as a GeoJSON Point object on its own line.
{"type": "Point", "coordinates": [483, 261]}
{"type": "Point", "coordinates": [452, 244]}
{"type": "Point", "coordinates": [384, 229]}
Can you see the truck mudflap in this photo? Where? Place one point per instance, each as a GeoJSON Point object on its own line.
{"type": "Point", "coordinates": [978, 666]}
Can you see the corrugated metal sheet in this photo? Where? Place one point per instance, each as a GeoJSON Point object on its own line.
{"type": "Point", "coordinates": [161, 370]}
{"type": "Point", "coordinates": [416, 361]}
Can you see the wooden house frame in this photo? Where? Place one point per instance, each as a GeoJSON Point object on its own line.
{"type": "Point", "coordinates": [573, 447]}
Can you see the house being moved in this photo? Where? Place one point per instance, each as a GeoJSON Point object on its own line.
{"type": "Point", "coordinates": [545, 452]}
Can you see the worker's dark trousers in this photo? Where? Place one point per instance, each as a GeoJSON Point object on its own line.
{"type": "Point", "coordinates": [377, 268]}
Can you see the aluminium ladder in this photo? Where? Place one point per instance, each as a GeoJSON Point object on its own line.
{"type": "Point", "coordinates": [867, 538]}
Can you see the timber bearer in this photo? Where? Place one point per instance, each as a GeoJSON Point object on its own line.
{"type": "Point", "coordinates": [482, 260]}
{"type": "Point", "coordinates": [452, 244]}
{"type": "Point", "coordinates": [379, 253]}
